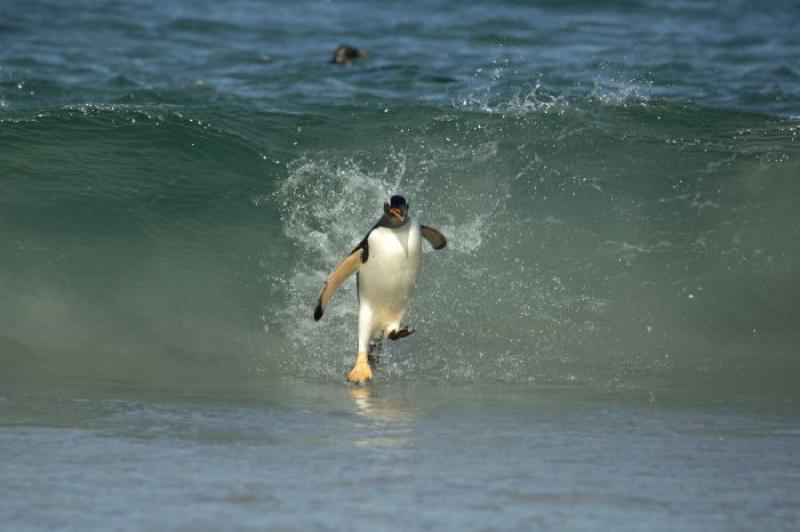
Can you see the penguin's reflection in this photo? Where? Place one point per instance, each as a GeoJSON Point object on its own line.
{"type": "Point", "coordinates": [390, 418]}
{"type": "Point", "coordinates": [380, 407]}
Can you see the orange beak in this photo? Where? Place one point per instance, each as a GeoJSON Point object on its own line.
{"type": "Point", "coordinates": [396, 212]}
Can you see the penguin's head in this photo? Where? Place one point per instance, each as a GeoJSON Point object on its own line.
{"type": "Point", "coordinates": [395, 211]}
{"type": "Point", "coordinates": [345, 53]}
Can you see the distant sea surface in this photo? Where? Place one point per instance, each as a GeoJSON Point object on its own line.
{"type": "Point", "coordinates": [610, 341]}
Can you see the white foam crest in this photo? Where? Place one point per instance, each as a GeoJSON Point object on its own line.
{"type": "Point", "coordinates": [533, 99]}
{"type": "Point", "coordinates": [536, 100]}
{"type": "Point", "coordinates": [614, 92]}
{"type": "Point", "coordinates": [319, 195]}
{"type": "Point", "coordinates": [467, 237]}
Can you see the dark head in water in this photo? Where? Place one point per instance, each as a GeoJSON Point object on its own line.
{"type": "Point", "coordinates": [345, 53]}
{"type": "Point", "coordinates": [395, 212]}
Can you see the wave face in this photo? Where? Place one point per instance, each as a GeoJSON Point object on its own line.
{"type": "Point", "coordinates": [608, 224]}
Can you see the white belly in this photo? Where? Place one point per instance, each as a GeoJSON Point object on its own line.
{"type": "Point", "coordinates": [388, 278]}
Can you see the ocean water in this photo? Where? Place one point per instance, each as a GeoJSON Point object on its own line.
{"type": "Point", "coordinates": [610, 341]}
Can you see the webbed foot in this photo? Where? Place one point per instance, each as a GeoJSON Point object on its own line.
{"type": "Point", "coordinates": [361, 372]}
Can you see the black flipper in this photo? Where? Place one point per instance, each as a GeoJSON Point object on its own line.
{"type": "Point", "coordinates": [433, 236]}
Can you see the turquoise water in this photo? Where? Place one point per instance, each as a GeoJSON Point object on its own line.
{"type": "Point", "coordinates": [609, 341]}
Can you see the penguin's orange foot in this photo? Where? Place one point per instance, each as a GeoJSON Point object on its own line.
{"type": "Point", "coordinates": [360, 373]}
{"type": "Point", "coordinates": [400, 333]}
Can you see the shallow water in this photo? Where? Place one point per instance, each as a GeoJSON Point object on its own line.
{"type": "Point", "coordinates": [299, 455]}
{"type": "Point", "coordinates": [609, 341]}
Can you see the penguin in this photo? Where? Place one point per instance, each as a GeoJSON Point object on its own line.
{"type": "Point", "coordinates": [386, 263]}
{"type": "Point", "coordinates": [345, 53]}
